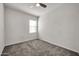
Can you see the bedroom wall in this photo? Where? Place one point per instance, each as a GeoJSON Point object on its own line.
{"type": "Point", "coordinates": [17, 26]}
{"type": "Point", "coordinates": [61, 26]}
{"type": "Point", "coordinates": [2, 43]}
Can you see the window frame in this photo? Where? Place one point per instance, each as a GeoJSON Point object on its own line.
{"type": "Point", "coordinates": [31, 26]}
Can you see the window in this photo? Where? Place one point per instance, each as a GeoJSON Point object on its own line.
{"type": "Point", "coordinates": [32, 26]}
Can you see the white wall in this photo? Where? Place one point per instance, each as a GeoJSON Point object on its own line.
{"type": "Point", "coordinates": [17, 26]}
{"type": "Point", "coordinates": [61, 27]}
{"type": "Point", "coordinates": [1, 28]}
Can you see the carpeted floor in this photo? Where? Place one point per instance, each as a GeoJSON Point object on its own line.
{"type": "Point", "coordinates": [36, 48]}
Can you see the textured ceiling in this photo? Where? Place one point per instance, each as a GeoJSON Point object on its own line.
{"type": "Point", "coordinates": [37, 11]}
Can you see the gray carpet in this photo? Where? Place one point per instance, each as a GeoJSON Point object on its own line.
{"type": "Point", "coordinates": [36, 48]}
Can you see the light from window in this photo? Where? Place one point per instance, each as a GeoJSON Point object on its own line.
{"type": "Point", "coordinates": [32, 26]}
